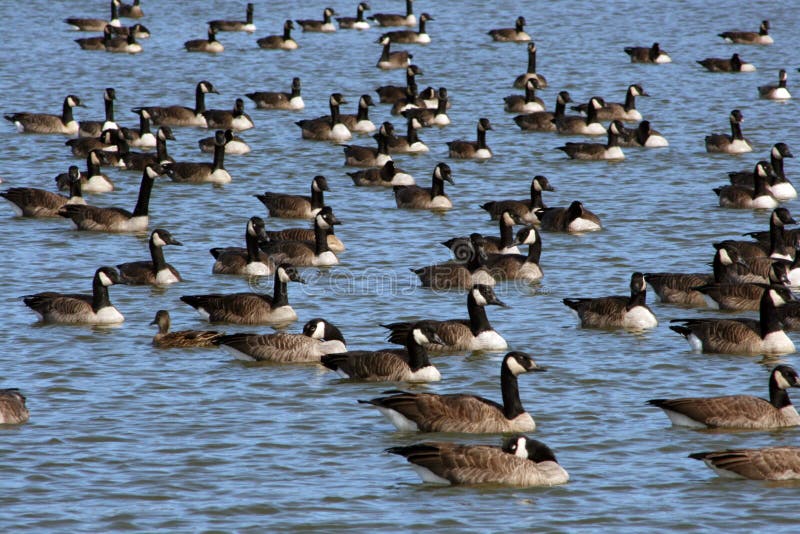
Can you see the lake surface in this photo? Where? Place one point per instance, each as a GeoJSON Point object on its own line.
{"type": "Point", "coordinates": [125, 437]}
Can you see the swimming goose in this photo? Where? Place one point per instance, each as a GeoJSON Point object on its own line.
{"type": "Point", "coordinates": [391, 19]}
{"type": "Point", "coordinates": [522, 79]}
{"type": "Point", "coordinates": [580, 125]}
{"type": "Point", "coordinates": [738, 411]}
{"type": "Point", "coordinates": [409, 143]}
{"type": "Point", "coordinates": [410, 36]}
{"type": "Point", "coordinates": [12, 407]}
{"type": "Point", "coordinates": [741, 336]}
{"type": "Point", "coordinates": [325, 25]}
{"type": "Point", "coordinates": [781, 188]}
{"type": "Point", "coordinates": [165, 339]}
{"type": "Point", "coordinates": [136, 161]}
{"type": "Point", "coordinates": [143, 137]}
{"type": "Point", "coordinates": [296, 206]}
{"type": "Point", "coordinates": [107, 141]}
{"type": "Point", "coordinates": [139, 31]}
{"type": "Point", "coordinates": [99, 219]}
{"type": "Point", "coordinates": [131, 11]}
{"type": "Point", "coordinates": [475, 333]}
{"type": "Point", "coordinates": [461, 412]}
{"type": "Point", "coordinates": [472, 149]}
{"type": "Point", "coordinates": [236, 119]}
{"type": "Point", "coordinates": [182, 115]}
{"type": "Point", "coordinates": [95, 128]}
{"type": "Point", "coordinates": [279, 42]}
{"type": "Point", "coordinates": [521, 462]}
{"type": "Point", "coordinates": [278, 100]}
{"type": "Point", "coordinates": [504, 244]}
{"type": "Point", "coordinates": [326, 127]}
{"type": "Point", "coordinates": [33, 202]}
{"type": "Point", "coordinates": [775, 243]}
{"type": "Point", "coordinates": [464, 271]}
{"type": "Point", "coordinates": [642, 136]}
{"type": "Point", "coordinates": [360, 122]}
{"type": "Point", "coordinates": [776, 92]}
{"type": "Point", "coordinates": [92, 181]}
{"type": "Point", "coordinates": [574, 218]}
{"type": "Point", "coordinates": [202, 172]}
{"type": "Point", "coordinates": [357, 23]}
{"type": "Point", "coordinates": [386, 176]}
{"type": "Point", "coordinates": [735, 143]}
{"type": "Point", "coordinates": [429, 198]}
{"type": "Point", "coordinates": [97, 42]}
{"type": "Point", "coordinates": [761, 37]}
{"type": "Point", "coordinates": [156, 272]}
{"type": "Point", "coordinates": [123, 45]}
{"type": "Point", "coordinates": [628, 312]}
{"type": "Point", "coordinates": [364, 156]}
{"type": "Point", "coordinates": [767, 463]}
{"type": "Point", "coordinates": [431, 117]}
{"type": "Point", "coordinates": [511, 35]}
{"type": "Point", "coordinates": [44, 123]}
{"type": "Point", "coordinates": [249, 308]}
{"type": "Point", "coordinates": [319, 337]}
{"type": "Point", "coordinates": [314, 253]}
{"type": "Point", "coordinates": [610, 151]}
{"type": "Point", "coordinates": [740, 196]}
{"type": "Point", "coordinates": [644, 54]}
{"type": "Point", "coordinates": [399, 59]}
{"type": "Point", "coordinates": [63, 308]}
{"type": "Point", "coordinates": [743, 296]}
{"type": "Point", "coordinates": [544, 121]}
{"type": "Point", "coordinates": [519, 266]}
{"type": "Point", "coordinates": [410, 364]}
{"type": "Point", "coordinates": [235, 25]}
{"type": "Point", "coordinates": [615, 110]}
{"type": "Point", "coordinates": [526, 210]}
{"type": "Point", "coordinates": [306, 234]}
{"type": "Point", "coordinates": [528, 103]}
{"type": "Point", "coordinates": [233, 144]}
{"type": "Point", "coordinates": [249, 260]}
{"type": "Point", "coordinates": [734, 64]}
{"type": "Point", "coordinates": [210, 45]}
{"type": "Point", "coordinates": [390, 94]}
{"type": "Point", "coordinates": [95, 24]}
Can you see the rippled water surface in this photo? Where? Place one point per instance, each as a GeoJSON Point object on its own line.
{"type": "Point", "coordinates": [124, 437]}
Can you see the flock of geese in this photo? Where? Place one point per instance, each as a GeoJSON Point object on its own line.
{"type": "Point", "coordinates": [747, 275]}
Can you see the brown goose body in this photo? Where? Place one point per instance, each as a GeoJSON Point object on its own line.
{"type": "Point", "coordinates": [516, 34]}
{"type": "Point", "coordinates": [628, 312]}
{"type": "Point", "coordinates": [318, 338]}
{"type": "Point", "coordinates": [33, 202]}
{"type": "Point", "coordinates": [165, 339]}
{"type": "Point", "coordinates": [94, 309]}
{"type": "Point", "coordinates": [525, 209]}
{"type": "Point", "coordinates": [296, 206]}
{"type": "Point", "coordinates": [157, 271]}
{"type": "Point", "coordinates": [279, 42]}
{"type": "Point", "coordinates": [278, 100]}
{"type": "Point", "coordinates": [768, 463]}
{"type": "Point", "coordinates": [13, 410]}
{"type": "Point", "coordinates": [647, 54]}
{"type": "Point", "coordinates": [544, 121]}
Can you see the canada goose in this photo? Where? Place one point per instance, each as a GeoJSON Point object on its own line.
{"type": "Point", "coordinates": [136, 161]}
{"type": "Point", "coordinates": [95, 128]}
{"type": "Point", "coordinates": [776, 92]}
{"type": "Point", "coordinates": [580, 125]}
{"type": "Point", "coordinates": [409, 143]}
{"type": "Point", "coordinates": [139, 31]}
{"type": "Point", "coordinates": [390, 365]}
{"type": "Point", "coordinates": [65, 308]}
{"type": "Point", "coordinates": [249, 260]}
{"type": "Point", "coordinates": [156, 272]}
{"type": "Point", "coordinates": [739, 196]}
{"type": "Point", "coordinates": [131, 11]}
{"type": "Point", "coordinates": [360, 122]}
{"type": "Point", "coordinates": [466, 270]}
{"type": "Point", "coordinates": [521, 462]}
{"type": "Point", "coordinates": [108, 141]}
{"type": "Point", "coordinates": [475, 333]}
{"type": "Point", "coordinates": [390, 94]}
{"type": "Point", "coordinates": [202, 172]}
{"type": "Point", "coordinates": [410, 36]}
{"type": "Point", "coordinates": [364, 156]}
{"type": "Point", "coordinates": [410, 100]}
{"type": "Point", "coordinates": [182, 115]}
{"type": "Point", "coordinates": [775, 244]}
{"type": "Point", "coordinates": [123, 45]}
{"type": "Point", "coordinates": [307, 253]}
{"type": "Point", "coordinates": [615, 110]}
{"type": "Point", "coordinates": [544, 121]}
{"type": "Point", "coordinates": [526, 210]}
{"type": "Point", "coordinates": [12, 407]}
{"type": "Point", "coordinates": [429, 198]}
{"type": "Point", "coordinates": [210, 45]}
{"type": "Point", "coordinates": [574, 218]}
{"type": "Point", "coordinates": [319, 337]}
{"type": "Point", "coordinates": [527, 103]}
{"type": "Point", "coordinates": [610, 151]}
{"type": "Point", "coordinates": [472, 149]}
{"type": "Point", "coordinates": [99, 219]}
{"type": "Point", "coordinates": [95, 24]}
{"type": "Point", "coordinates": [233, 144]}
{"type": "Point", "coordinates": [734, 64]}
{"type": "Point", "coordinates": [165, 339]}
{"type": "Point", "coordinates": [642, 136]}
{"type": "Point", "coordinates": [279, 42]}
{"type": "Point", "coordinates": [741, 336]}
{"type": "Point", "coordinates": [306, 234]}
{"type": "Point", "coordinates": [464, 413]}
{"type": "Point", "coordinates": [249, 308]}
{"type": "Point", "coordinates": [326, 127]}
{"type": "Point", "coordinates": [386, 176]}
{"type": "Point", "coordinates": [738, 411]}
{"type": "Point", "coordinates": [235, 25]}
{"type": "Point", "coordinates": [519, 266]}
{"type": "Point", "coordinates": [357, 23]}
{"type": "Point", "coordinates": [768, 463]}
{"type": "Point", "coordinates": [511, 35]}
{"type": "Point", "coordinates": [391, 19]}
{"type": "Point", "coordinates": [761, 37]}
{"type": "Point", "coordinates": [399, 59]}
{"type": "Point", "coordinates": [645, 54]}
{"type": "Point", "coordinates": [296, 206]}
{"type": "Point", "coordinates": [629, 312]}
{"type": "Point", "coordinates": [278, 100]}
{"type": "Point", "coordinates": [32, 202]}
{"type": "Point", "coordinates": [781, 188]}
{"type": "Point", "coordinates": [92, 181]}
{"type": "Point", "coordinates": [743, 296]}
{"type": "Point", "coordinates": [236, 120]}
{"type": "Point", "coordinates": [97, 42]}
{"type": "Point", "coordinates": [143, 137]}
{"type": "Point", "coordinates": [431, 117]}
{"type": "Point", "coordinates": [44, 123]}
{"type": "Point", "coordinates": [504, 244]}
{"type": "Point", "coordinates": [325, 25]}
{"type": "Point", "coordinates": [735, 143]}
{"type": "Point", "coordinates": [519, 83]}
